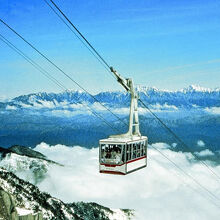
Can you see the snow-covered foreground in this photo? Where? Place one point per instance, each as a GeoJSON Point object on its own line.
{"type": "Point", "coordinates": [159, 191]}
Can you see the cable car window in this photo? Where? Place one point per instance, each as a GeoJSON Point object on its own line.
{"type": "Point", "coordinates": [103, 150]}
{"type": "Point", "coordinates": [123, 154]}
{"type": "Point", "coordinates": [111, 153]}
{"type": "Point", "coordinates": [138, 149]}
{"type": "Point", "coordinates": [128, 152]}
{"type": "Point", "coordinates": [142, 148]}
{"type": "Point", "coordinates": [134, 151]}
{"type": "Point", "coordinates": [141, 152]}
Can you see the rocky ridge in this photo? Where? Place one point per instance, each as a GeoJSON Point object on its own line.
{"type": "Point", "coordinates": [22, 200]}
{"type": "Point", "coordinates": [20, 194]}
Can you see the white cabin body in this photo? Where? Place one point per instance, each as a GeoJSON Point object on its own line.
{"type": "Point", "coordinates": [122, 155]}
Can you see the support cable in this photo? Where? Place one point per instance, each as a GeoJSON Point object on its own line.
{"type": "Point", "coordinates": [103, 60]}
{"type": "Point", "coordinates": [89, 93]}
{"type": "Point", "coordinates": [83, 42]}
{"type": "Point", "coordinates": [33, 63]}
{"type": "Point", "coordinates": [140, 100]}
{"type": "Point", "coordinates": [57, 67]}
{"type": "Point", "coordinates": [182, 179]}
{"type": "Point", "coordinates": [45, 73]}
{"type": "Point", "coordinates": [109, 67]}
{"type": "Point", "coordinates": [95, 97]}
{"type": "Point", "coordinates": [187, 184]}
{"type": "Point", "coordinates": [188, 175]}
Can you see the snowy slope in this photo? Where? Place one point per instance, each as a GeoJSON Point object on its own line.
{"type": "Point", "coordinates": [28, 199]}
{"type": "Point", "coordinates": [32, 169]}
{"type": "Point", "coordinates": [15, 168]}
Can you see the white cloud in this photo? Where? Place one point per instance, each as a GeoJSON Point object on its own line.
{"type": "Point", "coordinates": [213, 110]}
{"type": "Point", "coordinates": [204, 153]}
{"type": "Point", "coordinates": [155, 108]}
{"type": "Point", "coordinates": [122, 111]}
{"type": "Point", "coordinates": [10, 107]}
{"type": "Point", "coordinates": [200, 143]}
{"type": "Point", "coordinates": [156, 192]}
{"type": "Point", "coordinates": [126, 110]}
{"type": "Point", "coordinates": [97, 106]}
{"type": "Point", "coordinates": [66, 113]}
{"type": "Point", "coordinates": [46, 104]}
{"type": "Point", "coordinates": [24, 105]}
{"type": "Point", "coordinates": [166, 107]}
{"type": "Point", "coordinates": [62, 106]}
{"type": "Point", "coordinates": [3, 98]}
{"type": "Point", "coordinates": [174, 145]}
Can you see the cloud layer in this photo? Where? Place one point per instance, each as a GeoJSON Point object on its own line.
{"type": "Point", "coordinates": [159, 191]}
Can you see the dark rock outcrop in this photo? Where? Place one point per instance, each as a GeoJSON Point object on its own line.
{"type": "Point", "coordinates": [4, 151]}
{"type": "Point", "coordinates": [7, 206]}
{"type": "Point", "coordinates": [25, 151]}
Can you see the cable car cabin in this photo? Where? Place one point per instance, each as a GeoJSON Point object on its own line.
{"type": "Point", "coordinates": [122, 155]}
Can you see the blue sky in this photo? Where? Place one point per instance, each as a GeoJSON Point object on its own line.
{"type": "Point", "coordinates": [166, 44]}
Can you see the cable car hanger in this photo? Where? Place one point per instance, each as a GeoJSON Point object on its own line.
{"type": "Point", "coordinates": [133, 119]}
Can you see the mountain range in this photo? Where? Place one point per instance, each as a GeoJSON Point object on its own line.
{"type": "Point", "coordinates": [193, 96]}
{"type": "Point", "coordinates": [66, 118]}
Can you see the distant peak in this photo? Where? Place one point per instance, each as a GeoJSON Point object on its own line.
{"type": "Point", "coordinates": [196, 88]}
{"type": "Point", "coordinates": [191, 88]}
{"type": "Point", "coordinates": [73, 91]}
{"type": "Point", "coordinates": [141, 88]}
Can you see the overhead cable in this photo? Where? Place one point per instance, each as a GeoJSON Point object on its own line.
{"type": "Point", "coordinates": [188, 175]}
{"type": "Point", "coordinates": [57, 67]}
{"type": "Point", "coordinates": [63, 14]}
{"type": "Point", "coordinates": [180, 176]}
{"type": "Point", "coordinates": [179, 139]}
{"type": "Point", "coordinates": [80, 86]}
{"type": "Point", "coordinates": [90, 45]}
{"type": "Point", "coordinates": [44, 72]}
{"type": "Point", "coordinates": [82, 41]}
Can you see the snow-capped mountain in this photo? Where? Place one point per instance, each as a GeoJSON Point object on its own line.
{"type": "Point", "coordinates": [19, 198]}
{"type": "Point", "coordinates": [25, 162]}
{"type": "Point", "coordinates": [188, 97]}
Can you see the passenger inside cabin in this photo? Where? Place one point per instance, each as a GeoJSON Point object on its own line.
{"type": "Point", "coordinates": [108, 154]}
{"type": "Point", "coordinates": [111, 153]}
{"type": "Point", "coordinates": [117, 158]}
